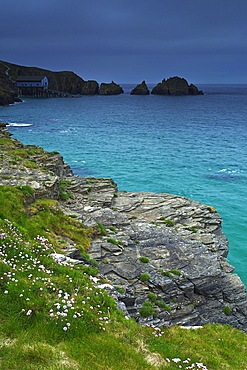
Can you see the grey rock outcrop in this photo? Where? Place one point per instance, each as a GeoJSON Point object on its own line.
{"type": "Point", "coordinates": [164, 255]}
{"type": "Point", "coordinates": [175, 242]}
{"type": "Point", "coordinates": [140, 89]}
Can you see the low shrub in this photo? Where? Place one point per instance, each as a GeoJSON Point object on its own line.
{"type": "Point", "coordinates": [226, 310]}
{"type": "Point", "coordinates": [152, 297]}
{"type": "Point", "coordinates": [144, 277]}
{"type": "Point", "coordinates": [147, 309]}
{"type": "Point", "coordinates": [163, 305]}
{"type": "Point", "coordinates": [144, 259]}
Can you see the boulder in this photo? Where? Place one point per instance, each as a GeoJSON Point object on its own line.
{"type": "Point", "coordinates": [140, 89]}
{"type": "Point", "coordinates": [175, 86]}
{"type": "Point", "coordinates": [110, 89]}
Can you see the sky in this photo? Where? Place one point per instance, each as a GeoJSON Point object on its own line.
{"type": "Point", "coordinates": [128, 41]}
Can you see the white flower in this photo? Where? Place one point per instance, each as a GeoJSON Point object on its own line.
{"type": "Point", "coordinates": [176, 359]}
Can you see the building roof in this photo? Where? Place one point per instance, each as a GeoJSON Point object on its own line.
{"type": "Point", "coordinates": [30, 78]}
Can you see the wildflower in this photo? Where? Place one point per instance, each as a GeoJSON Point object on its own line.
{"type": "Point", "coordinates": [65, 328]}
{"type": "Point", "coordinates": [6, 292]}
{"type": "Point", "coordinates": [176, 360]}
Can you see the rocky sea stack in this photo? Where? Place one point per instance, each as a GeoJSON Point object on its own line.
{"type": "Point", "coordinates": [110, 89]}
{"type": "Point", "coordinates": [140, 89]}
{"type": "Point", "coordinates": [175, 86]}
{"type": "Point", "coordinates": [163, 257]}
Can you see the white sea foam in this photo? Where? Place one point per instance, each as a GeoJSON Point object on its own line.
{"type": "Point", "coordinates": [15, 124]}
{"type": "Point", "coordinates": [229, 171]}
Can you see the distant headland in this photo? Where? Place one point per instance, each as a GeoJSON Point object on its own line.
{"type": "Point", "coordinates": [17, 81]}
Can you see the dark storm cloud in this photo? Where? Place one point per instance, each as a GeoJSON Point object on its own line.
{"type": "Point", "coordinates": [129, 40]}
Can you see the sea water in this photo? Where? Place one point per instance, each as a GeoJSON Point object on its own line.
{"type": "Point", "coordinates": [193, 146]}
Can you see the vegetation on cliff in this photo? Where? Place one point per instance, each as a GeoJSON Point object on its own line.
{"type": "Point", "coordinates": [8, 91]}
{"type": "Point", "coordinates": [56, 315]}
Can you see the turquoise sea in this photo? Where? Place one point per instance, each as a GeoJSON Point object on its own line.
{"type": "Point", "coordinates": [194, 146]}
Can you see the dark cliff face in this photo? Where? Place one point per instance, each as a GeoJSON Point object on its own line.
{"type": "Point", "coordinates": [175, 86]}
{"type": "Point", "coordinates": [140, 89]}
{"type": "Point", "coordinates": [8, 90]}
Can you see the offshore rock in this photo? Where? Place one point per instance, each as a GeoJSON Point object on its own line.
{"type": "Point", "coordinates": [175, 86]}
{"type": "Point", "coordinates": [163, 249]}
{"type": "Point", "coordinates": [140, 89]}
{"type": "Point", "coordinates": [110, 89]}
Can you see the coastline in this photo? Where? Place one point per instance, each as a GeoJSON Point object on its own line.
{"type": "Point", "coordinates": [181, 239]}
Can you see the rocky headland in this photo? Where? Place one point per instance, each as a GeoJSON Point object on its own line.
{"type": "Point", "coordinates": [64, 81]}
{"type": "Point", "coordinates": [163, 257]}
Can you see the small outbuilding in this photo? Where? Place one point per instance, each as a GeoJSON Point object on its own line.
{"type": "Point", "coordinates": [36, 86]}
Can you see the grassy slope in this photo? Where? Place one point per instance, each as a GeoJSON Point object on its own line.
{"type": "Point", "coordinates": [54, 316]}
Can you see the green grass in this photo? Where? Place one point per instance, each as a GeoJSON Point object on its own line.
{"type": "Point", "coordinates": [114, 241]}
{"type": "Point", "coordinates": [32, 336]}
{"type": "Point", "coordinates": [102, 229]}
{"type": "Point", "coordinates": [42, 217]}
{"type": "Point", "coordinates": [112, 228]}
